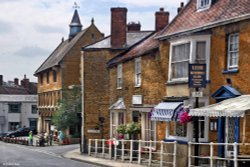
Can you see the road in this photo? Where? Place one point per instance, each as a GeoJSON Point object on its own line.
{"type": "Point", "coordinates": [12, 155]}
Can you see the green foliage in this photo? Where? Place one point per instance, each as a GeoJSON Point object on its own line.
{"type": "Point", "coordinates": [69, 107]}
{"type": "Point", "coordinates": [130, 128]}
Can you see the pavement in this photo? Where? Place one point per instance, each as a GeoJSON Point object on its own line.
{"type": "Point", "coordinates": [76, 155]}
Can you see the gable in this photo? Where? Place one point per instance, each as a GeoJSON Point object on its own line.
{"type": "Point", "coordinates": [225, 92]}
{"type": "Point", "coordinates": [190, 19]}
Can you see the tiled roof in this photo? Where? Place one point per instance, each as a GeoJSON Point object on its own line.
{"type": "Point", "coordinates": [132, 38]}
{"type": "Point", "coordinates": [220, 11]}
{"type": "Point", "coordinates": [19, 90]}
{"type": "Point", "coordinates": [60, 52]}
{"type": "Point", "coordinates": [140, 49]}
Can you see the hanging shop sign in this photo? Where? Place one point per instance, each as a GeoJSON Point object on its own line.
{"type": "Point", "coordinates": [197, 76]}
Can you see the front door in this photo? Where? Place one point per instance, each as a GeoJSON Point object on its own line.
{"type": "Point", "coordinates": [231, 135]}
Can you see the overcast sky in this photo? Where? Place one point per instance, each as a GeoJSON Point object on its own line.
{"type": "Point", "coordinates": [31, 29]}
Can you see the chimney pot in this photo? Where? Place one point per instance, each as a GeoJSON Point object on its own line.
{"type": "Point", "coordinates": [16, 81]}
{"type": "Point", "coordinates": [180, 8]}
{"type": "Point", "coordinates": [118, 27]}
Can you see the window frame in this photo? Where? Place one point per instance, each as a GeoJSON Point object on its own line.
{"type": "Point", "coordinates": [119, 81]}
{"type": "Point", "coordinates": [115, 121]}
{"type": "Point", "coordinates": [47, 77]}
{"type": "Point", "coordinates": [229, 52]}
{"type": "Point", "coordinates": [10, 109]}
{"type": "Point", "coordinates": [137, 72]}
{"type": "Point", "coordinates": [15, 128]}
{"type": "Point", "coordinates": [192, 55]}
{"type": "Point", "coordinates": [41, 79]}
{"type": "Point", "coordinates": [32, 109]}
{"type": "Point", "coordinates": [200, 5]}
{"type": "Point", "coordinates": [54, 75]}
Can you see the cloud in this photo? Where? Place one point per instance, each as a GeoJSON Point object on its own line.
{"type": "Point", "coordinates": [48, 29]}
{"type": "Point", "coordinates": [5, 27]}
{"type": "Point", "coordinates": [31, 51]}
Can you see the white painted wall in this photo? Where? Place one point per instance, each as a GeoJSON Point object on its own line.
{"type": "Point", "coordinates": [26, 107]}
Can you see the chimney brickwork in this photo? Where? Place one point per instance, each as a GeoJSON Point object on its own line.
{"type": "Point", "coordinates": [134, 27]}
{"type": "Point", "coordinates": [118, 27]}
{"type": "Point", "coordinates": [161, 19]}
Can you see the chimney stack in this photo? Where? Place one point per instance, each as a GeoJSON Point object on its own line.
{"type": "Point", "coordinates": [118, 27]}
{"type": "Point", "coordinates": [1, 80]}
{"type": "Point", "coordinates": [25, 82]}
{"type": "Point", "coordinates": [161, 19]}
{"type": "Point", "coordinates": [16, 81]}
{"type": "Point", "coordinates": [180, 8]}
{"type": "Point", "coordinates": [134, 27]}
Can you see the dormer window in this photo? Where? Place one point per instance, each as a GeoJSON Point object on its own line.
{"type": "Point", "coordinates": [203, 4]}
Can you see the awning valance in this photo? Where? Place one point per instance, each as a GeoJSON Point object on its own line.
{"type": "Point", "coordinates": [234, 107]}
{"type": "Point", "coordinates": [118, 105]}
{"type": "Point", "coordinates": [166, 111]}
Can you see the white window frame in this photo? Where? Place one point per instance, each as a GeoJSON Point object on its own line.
{"type": "Point", "coordinates": [114, 125]}
{"type": "Point", "coordinates": [192, 55]}
{"type": "Point", "coordinates": [190, 127]}
{"type": "Point", "coordinates": [119, 76]}
{"type": "Point", "coordinates": [201, 6]}
{"type": "Point", "coordinates": [138, 72]}
{"type": "Point", "coordinates": [229, 52]}
{"type": "Point", "coordinates": [145, 120]}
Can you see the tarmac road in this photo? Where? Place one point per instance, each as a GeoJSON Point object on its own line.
{"type": "Point", "coordinates": [13, 155]}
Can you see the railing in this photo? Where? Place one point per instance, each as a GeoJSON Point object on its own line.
{"type": "Point", "coordinates": [135, 151]}
{"type": "Point", "coordinates": [214, 160]}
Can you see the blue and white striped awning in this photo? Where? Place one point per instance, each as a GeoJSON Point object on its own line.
{"type": "Point", "coordinates": [166, 111]}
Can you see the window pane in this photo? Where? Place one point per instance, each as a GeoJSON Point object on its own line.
{"type": "Point", "coordinates": [233, 51]}
{"type": "Point", "coordinates": [201, 52]}
{"type": "Point", "coordinates": [180, 130]}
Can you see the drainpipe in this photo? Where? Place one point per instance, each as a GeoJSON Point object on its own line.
{"type": "Point", "coordinates": [83, 145]}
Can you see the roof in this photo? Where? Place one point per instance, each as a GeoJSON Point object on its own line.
{"type": "Point", "coordinates": [143, 47]}
{"type": "Point", "coordinates": [132, 38]}
{"type": "Point", "coordinates": [225, 92]}
{"type": "Point", "coordinates": [60, 52]}
{"type": "Point", "coordinates": [19, 90]}
{"type": "Point", "coordinates": [75, 20]}
{"type": "Point", "coordinates": [234, 107]}
{"type": "Point", "coordinates": [221, 11]}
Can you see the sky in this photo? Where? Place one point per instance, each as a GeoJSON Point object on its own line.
{"type": "Point", "coordinates": [31, 29]}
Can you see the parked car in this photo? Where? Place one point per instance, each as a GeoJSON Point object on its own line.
{"type": "Point", "coordinates": [22, 132]}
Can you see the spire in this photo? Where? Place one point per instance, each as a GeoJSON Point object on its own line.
{"type": "Point", "coordinates": [75, 25]}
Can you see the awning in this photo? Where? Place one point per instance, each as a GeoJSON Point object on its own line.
{"type": "Point", "coordinates": [118, 105]}
{"type": "Point", "coordinates": [166, 111]}
{"type": "Point", "coordinates": [234, 107]}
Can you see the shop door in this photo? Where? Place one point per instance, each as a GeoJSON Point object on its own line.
{"type": "Point", "coordinates": [231, 135]}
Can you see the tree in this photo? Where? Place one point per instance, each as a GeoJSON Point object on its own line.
{"type": "Point", "coordinates": [69, 106]}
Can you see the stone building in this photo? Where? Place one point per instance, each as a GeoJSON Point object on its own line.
{"type": "Point", "coordinates": [62, 69]}
{"type": "Point", "coordinates": [137, 84]}
{"type": "Point", "coordinates": [215, 33]}
{"type": "Point", "coordinates": [18, 104]}
{"type": "Point", "coordinates": [95, 75]}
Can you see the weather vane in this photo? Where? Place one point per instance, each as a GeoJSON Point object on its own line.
{"type": "Point", "coordinates": [76, 6]}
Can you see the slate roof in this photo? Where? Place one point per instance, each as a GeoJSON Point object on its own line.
{"type": "Point", "coordinates": [220, 12]}
{"type": "Point", "coordinates": [60, 52]}
{"type": "Point", "coordinates": [75, 19]}
{"type": "Point", "coordinates": [132, 38]}
{"type": "Point", "coordinates": [19, 90]}
{"type": "Point", "coordinates": [147, 45]}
